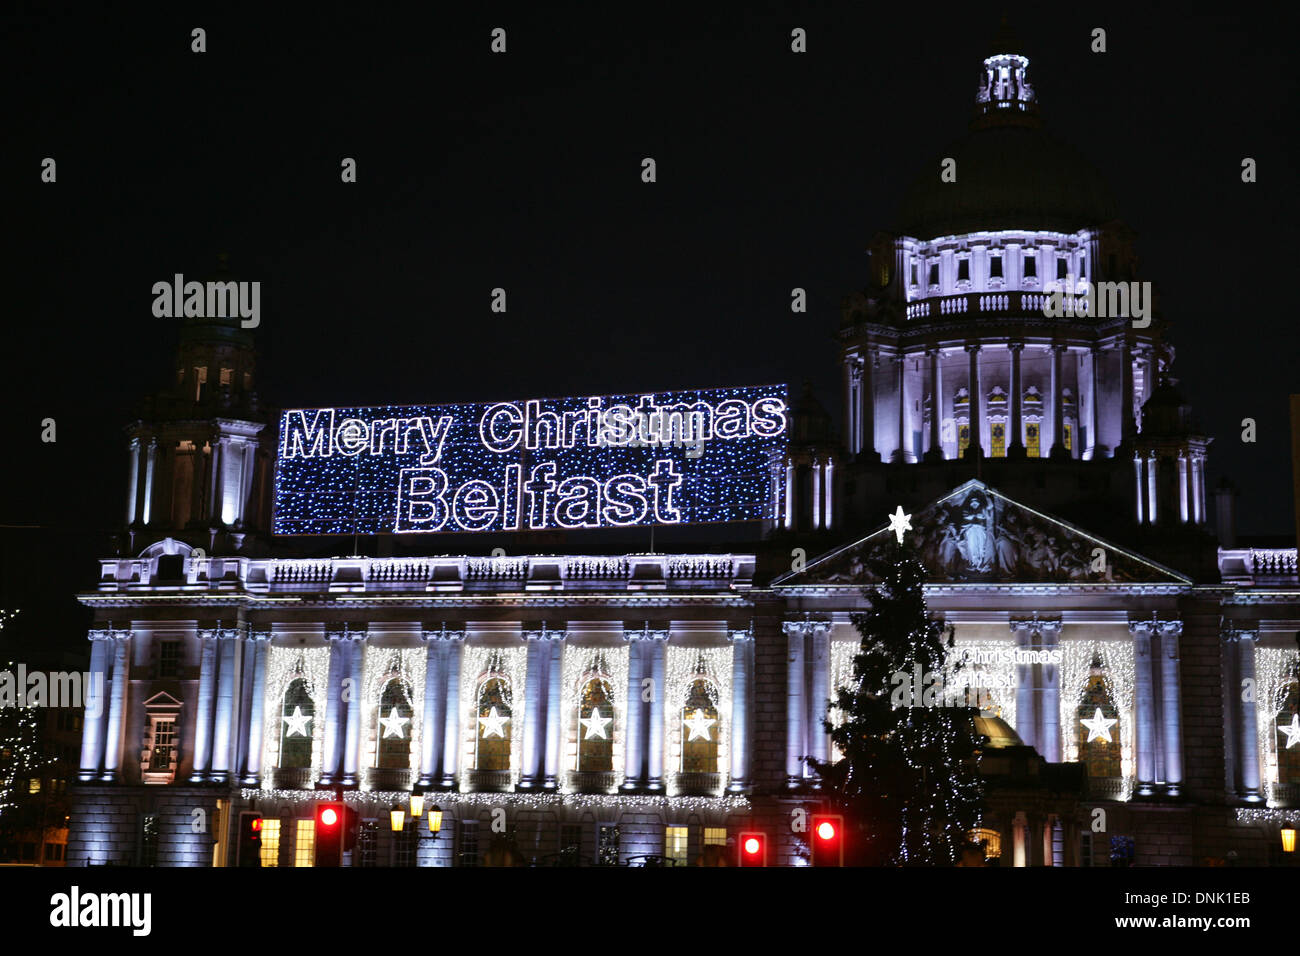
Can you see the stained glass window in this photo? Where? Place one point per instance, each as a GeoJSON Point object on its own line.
{"type": "Point", "coordinates": [999, 432]}
{"type": "Point", "coordinates": [700, 730]}
{"type": "Point", "coordinates": [596, 728]}
{"type": "Point", "coordinates": [1069, 441]}
{"type": "Point", "coordinates": [297, 715]}
{"type": "Point", "coordinates": [493, 735]}
{"type": "Point", "coordinates": [963, 439]}
{"type": "Point", "coordinates": [1031, 440]}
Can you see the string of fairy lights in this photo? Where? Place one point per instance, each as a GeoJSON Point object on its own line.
{"type": "Point", "coordinates": [579, 665]}
{"type": "Point", "coordinates": [1275, 673]}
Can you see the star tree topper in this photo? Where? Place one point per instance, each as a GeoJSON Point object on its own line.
{"type": "Point", "coordinates": [899, 522]}
{"type": "Point", "coordinates": [394, 725]}
{"type": "Point", "coordinates": [595, 725]}
{"type": "Point", "coordinates": [297, 722]}
{"type": "Point", "coordinates": [1098, 727]}
{"type": "Point", "coordinates": [1292, 731]}
{"type": "Point", "coordinates": [699, 725]}
{"type": "Point", "coordinates": [493, 724]}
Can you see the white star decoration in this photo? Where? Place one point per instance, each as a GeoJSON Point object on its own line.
{"type": "Point", "coordinates": [1098, 727]}
{"type": "Point", "coordinates": [1292, 732]}
{"type": "Point", "coordinates": [493, 724]}
{"type": "Point", "coordinates": [699, 725]}
{"type": "Point", "coordinates": [595, 725]}
{"type": "Point", "coordinates": [393, 724]}
{"type": "Point", "coordinates": [899, 522]}
{"type": "Point", "coordinates": [297, 722]}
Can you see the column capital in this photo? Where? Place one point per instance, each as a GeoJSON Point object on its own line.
{"type": "Point", "coordinates": [344, 632]}
{"type": "Point", "coordinates": [1050, 626]}
{"type": "Point", "coordinates": [259, 632]}
{"type": "Point", "coordinates": [544, 633]}
{"type": "Point", "coordinates": [442, 633]}
{"type": "Point", "coordinates": [109, 633]}
{"type": "Point", "coordinates": [1015, 346]}
{"type": "Point", "coordinates": [1234, 633]}
{"type": "Point", "coordinates": [738, 635]}
{"type": "Point", "coordinates": [644, 633]}
{"type": "Point", "coordinates": [1142, 626]}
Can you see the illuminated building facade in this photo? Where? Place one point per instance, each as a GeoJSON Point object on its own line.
{"type": "Point", "coordinates": [618, 706]}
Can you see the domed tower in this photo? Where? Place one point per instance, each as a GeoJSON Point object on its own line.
{"type": "Point", "coordinates": [1169, 461]}
{"type": "Point", "coordinates": [197, 469]}
{"type": "Point", "coordinates": [976, 346]}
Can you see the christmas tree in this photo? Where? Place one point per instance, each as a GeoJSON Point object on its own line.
{"type": "Point", "coordinates": [905, 778]}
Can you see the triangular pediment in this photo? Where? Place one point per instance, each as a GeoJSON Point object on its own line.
{"type": "Point", "coordinates": [162, 701]}
{"type": "Point", "coordinates": [975, 535]}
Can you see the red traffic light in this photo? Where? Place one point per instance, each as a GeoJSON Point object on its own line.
{"type": "Point", "coordinates": [329, 834]}
{"type": "Point", "coordinates": [256, 824]}
{"type": "Point", "coordinates": [753, 849]}
{"type": "Point", "coordinates": [828, 840]}
{"type": "Point", "coordinates": [329, 816]}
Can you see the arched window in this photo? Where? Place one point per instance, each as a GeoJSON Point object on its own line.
{"type": "Point", "coordinates": [493, 734]}
{"type": "Point", "coordinates": [1288, 737]}
{"type": "Point", "coordinates": [393, 724]}
{"type": "Point", "coordinates": [700, 730]}
{"type": "Point", "coordinates": [595, 728]}
{"type": "Point", "coordinates": [1097, 728]}
{"type": "Point", "coordinates": [297, 716]}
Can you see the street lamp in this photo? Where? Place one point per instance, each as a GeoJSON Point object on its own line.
{"type": "Point", "coordinates": [1288, 839]}
{"type": "Point", "coordinates": [435, 820]}
{"type": "Point", "coordinates": [398, 817]}
{"type": "Point", "coordinates": [417, 803]}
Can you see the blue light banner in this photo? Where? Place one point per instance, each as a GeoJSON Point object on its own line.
{"type": "Point", "coordinates": [605, 461]}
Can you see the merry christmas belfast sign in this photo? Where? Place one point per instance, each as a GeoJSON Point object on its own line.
{"type": "Point", "coordinates": [590, 462]}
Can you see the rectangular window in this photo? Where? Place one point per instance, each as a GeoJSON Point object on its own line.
{"type": "Point", "coordinates": [367, 842]}
{"type": "Point", "coordinates": [675, 842]}
{"type": "Point", "coordinates": [999, 432]}
{"type": "Point", "coordinates": [164, 739]}
{"type": "Point", "coordinates": [1085, 848]}
{"type": "Point", "coordinates": [226, 374]}
{"type": "Point", "coordinates": [934, 273]}
{"type": "Point", "coordinates": [963, 269]}
{"type": "Point", "coordinates": [270, 842]}
{"type": "Point", "coordinates": [304, 846]}
{"type": "Point", "coordinates": [1031, 440]}
{"type": "Point", "coordinates": [34, 785]}
{"type": "Point", "coordinates": [607, 845]}
{"type": "Point", "coordinates": [715, 836]}
{"type": "Point", "coordinates": [54, 852]}
{"type": "Point", "coordinates": [1062, 267]}
{"type": "Point", "coordinates": [169, 659]}
{"type": "Point", "coordinates": [467, 854]}
{"type": "Point", "coordinates": [1031, 264]}
{"type": "Point", "coordinates": [995, 267]}
{"type": "Point", "coordinates": [149, 840]}
{"type": "Point", "coordinates": [913, 272]}
{"type": "Point", "coordinates": [404, 845]}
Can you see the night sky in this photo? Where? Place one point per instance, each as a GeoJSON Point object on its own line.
{"type": "Point", "coordinates": [523, 171]}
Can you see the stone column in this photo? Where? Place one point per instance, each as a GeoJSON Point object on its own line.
{"type": "Point", "coordinates": [1140, 497]}
{"type": "Point", "coordinates": [451, 731]}
{"type": "Point", "coordinates": [658, 650]}
{"type": "Point", "coordinates": [1144, 705]}
{"type": "Point", "coordinates": [435, 707]}
{"type": "Point", "coordinates": [789, 493]}
{"type": "Point", "coordinates": [633, 769]}
{"type": "Point", "coordinates": [150, 470]}
{"type": "Point", "coordinates": [1026, 720]}
{"type": "Point", "coordinates": [1016, 447]}
{"type": "Point", "coordinates": [742, 642]}
{"type": "Point", "coordinates": [116, 707]}
{"type": "Point", "coordinates": [820, 698]}
{"type": "Point", "coordinates": [816, 493]}
{"type": "Point", "coordinates": [1198, 488]}
{"type": "Point", "coordinates": [1095, 448]}
{"type": "Point", "coordinates": [1182, 488]}
{"type": "Point", "coordinates": [355, 650]}
{"type": "Point", "coordinates": [795, 746]}
{"type": "Point", "coordinates": [868, 409]}
{"type": "Point", "coordinates": [975, 449]}
{"type": "Point", "coordinates": [852, 404]}
{"type": "Point", "coordinates": [1058, 404]}
{"type": "Point", "coordinates": [935, 451]}
{"type": "Point", "coordinates": [203, 711]}
{"type": "Point", "coordinates": [554, 713]}
{"type": "Point", "coordinates": [1247, 718]}
{"type": "Point", "coordinates": [534, 730]}
{"type": "Point", "coordinates": [228, 643]}
{"type": "Point", "coordinates": [261, 641]}
{"type": "Point", "coordinates": [900, 454]}
{"type": "Point", "coordinates": [218, 445]}
{"type": "Point", "coordinates": [133, 483]}
{"type": "Point", "coordinates": [332, 735]}
{"type": "Point", "coordinates": [1049, 634]}
{"type": "Point", "coordinates": [1171, 705]}
{"type": "Point", "coordinates": [1127, 425]}
{"type": "Point", "coordinates": [1153, 490]}
{"type": "Point", "coordinates": [92, 732]}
